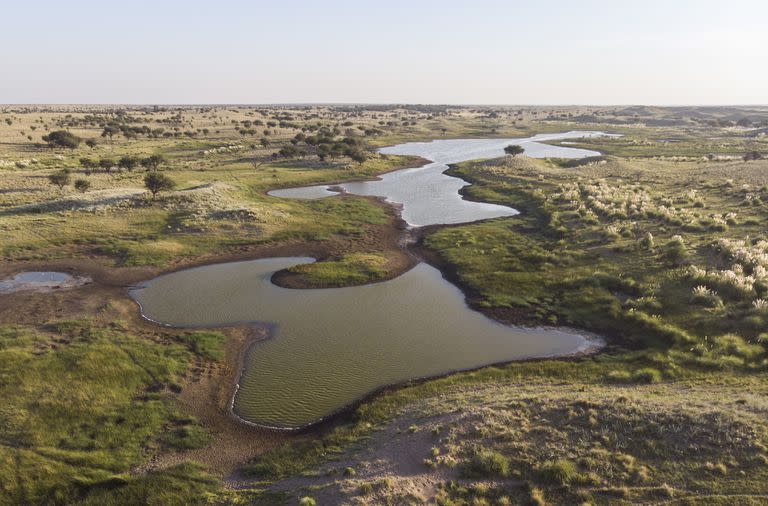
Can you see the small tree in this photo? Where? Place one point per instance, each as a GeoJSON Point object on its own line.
{"type": "Point", "coordinates": [128, 162]}
{"type": "Point", "coordinates": [110, 131]}
{"type": "Point", "coordinates": [357, 155]}
{"type": "Point", "coordinates": [514, 150]}
{"type": "Point", "coordinates": [106, 164]}
{"type": "Point", "coordinates": [153, 162]}
{"type": "Point", "coordinates": [91, 143]}
{"type": "Point", "coordinates": [156, 183]}
{"type": "Point", "coordinates": [62, 139]}
{"type": "Point", "coordinates": [88, 163]}
{"type": "Point", "coordinates": [82, 185]}
{"type": "Point", "coordinates": [60, 178]}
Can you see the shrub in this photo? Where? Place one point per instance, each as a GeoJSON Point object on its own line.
{"type": "Point", "coordinates": [647, 241]}
{"type": "Point", "coordinates": [82, 185]}
{"type": "Point", "coordinates": [62, 139]}
{"type": "Point", "coordinates": [703, 296]}
{"type": "Point", "coordinates": [646, 375]}
{"type": "Point", "coordinates": [537, 497]}
{"type": "Point", "coordinates": [618, 376]}
{"type": "Point", "coordinates": [560, 471]}
{"type": "Point", "coordinates": [675, 251]}
{"type": "Point", "coordinates": [60, 178]}
{"type": "Point", "coordinates": [485, 463]}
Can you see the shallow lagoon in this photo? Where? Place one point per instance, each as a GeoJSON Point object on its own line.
{"type": "Point", "coordinates": [428, 196]}
{"type": "Point", "coordinates": [330, 347]}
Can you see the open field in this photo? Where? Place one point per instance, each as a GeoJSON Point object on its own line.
{"type": "Point", "coordinates": [659, 246]}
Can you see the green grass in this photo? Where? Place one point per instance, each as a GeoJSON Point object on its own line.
{"type": "Point", "coordinates": [208, 344]}
{"type": "Point", "coordinates": [352, 269]}
{"type": "Point", "coordinates": [486, 463]}
{"type": "Point", "coordinates": [81, 406]}
{"type": "Point", "coordinates": [609, 429]}
{"type": "Point", "coordinates": [672, 412]}
{"type": "Point", "coordinates": [179, 485]}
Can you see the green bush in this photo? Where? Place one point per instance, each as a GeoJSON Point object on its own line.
{"type": "Point", "coordinates": [560, 471]}
{"type": "Point", "coordinates": [646, 375]}
{"type": "Point", "coordinates": [486, 463]}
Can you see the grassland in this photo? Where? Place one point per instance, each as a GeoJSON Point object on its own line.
{"type": "Point", "coordinates": [659, 246]}
{"type": "Point", "coordinates": [82, 405]}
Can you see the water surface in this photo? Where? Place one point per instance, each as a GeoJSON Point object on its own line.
{"type": "Point", "coordinates": [428, 196]}
{"type": "Point", "coordinates": [39, 280]}
{"type": "Point", "coordinates": [332, 346]}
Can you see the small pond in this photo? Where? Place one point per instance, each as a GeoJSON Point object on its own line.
{"type": "Point", "coordinates": [332, 346]}
{"type": "Point", "coordinates": [40, 280]}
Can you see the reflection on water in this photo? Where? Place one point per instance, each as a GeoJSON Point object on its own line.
{"type": "Point", "coordinates": [428, 196]}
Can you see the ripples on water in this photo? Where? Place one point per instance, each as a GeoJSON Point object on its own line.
{"type": "Point", "coordinates": [332, 346]}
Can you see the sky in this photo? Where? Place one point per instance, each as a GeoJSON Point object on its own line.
{"type": "Point", "coordinates": [670, 52]}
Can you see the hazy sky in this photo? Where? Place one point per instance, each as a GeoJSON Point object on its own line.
{"type": "Point", "coordinates": [448, 51]}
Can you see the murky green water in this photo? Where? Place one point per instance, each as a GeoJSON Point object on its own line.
{"type": "Point", "coordinates": [332, 346]}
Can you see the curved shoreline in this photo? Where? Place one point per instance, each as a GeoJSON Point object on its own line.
{"type": "Point", "coordinates": [594, 343]}
{"type": "Point", "coordinates": [408, 241]}
{"type": "Point", "coordinates": [412, 162]}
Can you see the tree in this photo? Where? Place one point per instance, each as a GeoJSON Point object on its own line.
{"type": "Point", "coordinates": [60, 178]}
{"type": "Point", "coordinates": [153, 162]}
{"type": "Point", "coordinates": [106, 164]}
{"type": "Point", "coordinates": [128, 162]}
{"type": "Point", "coordinates": [156, 183]}
{"type": "Point", "coordinates": [357, 155]}
{"type": "Point", "coordinates": [110, 131]}
{"type": "Point", "coordinates": [288, 151]}
{"type": "Point", "coordinates": [62, 139]}
{"type": "Point", "coordinates": [514, 150]}
{"type": "Point", "coordinates": [88, 163]}
{"type": "Point", "coordinates": [91, 143]}
{"type": "Point", "coordinates": [82, 185]}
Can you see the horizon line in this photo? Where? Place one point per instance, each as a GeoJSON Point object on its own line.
{"type": "Point", "coordinates": [401, 103]}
